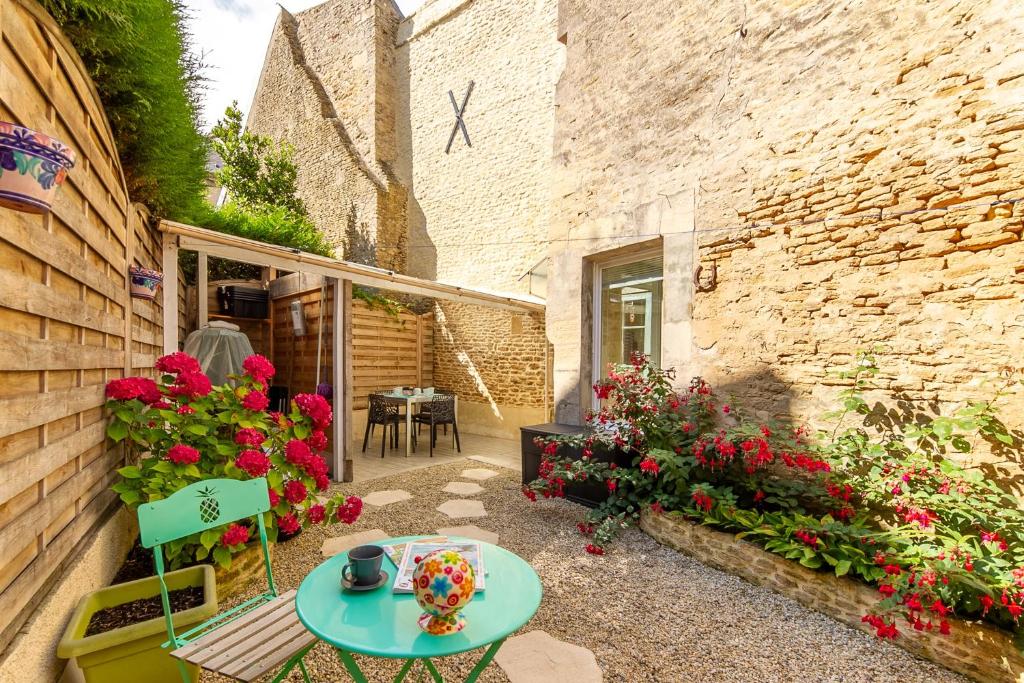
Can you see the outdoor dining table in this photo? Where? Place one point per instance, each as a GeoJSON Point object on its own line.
{"type": "Point", "coordinates": [381, 623]}
{"type": "Point", "coordinates": [410, 401]}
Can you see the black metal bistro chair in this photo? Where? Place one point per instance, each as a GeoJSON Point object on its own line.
{"type": "Point", "coordinates": [442, 412]}
{"type": "Point", "coordinates": [424, 408]}
{"type": "Point", "coordinates": [384, 412]}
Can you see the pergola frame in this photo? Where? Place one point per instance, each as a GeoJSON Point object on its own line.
{"type": "Point", "coordinates": [343, 274]}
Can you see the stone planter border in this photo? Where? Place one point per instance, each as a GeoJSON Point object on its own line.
{"type": "Point", "coordinates": [975, 649]}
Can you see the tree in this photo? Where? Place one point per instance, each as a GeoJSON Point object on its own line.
{"type": "Point", "coordinates": [258, 173]}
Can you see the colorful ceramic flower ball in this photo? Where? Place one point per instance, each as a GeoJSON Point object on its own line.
{"type": "Point", "coordinates": [443, 584]}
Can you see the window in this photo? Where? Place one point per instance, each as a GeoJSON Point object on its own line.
{"type": "Point", "coordinates": [627, 311]}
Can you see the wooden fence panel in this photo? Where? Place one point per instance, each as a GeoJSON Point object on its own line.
{"type": "Point", "coordinates": [67, 323]}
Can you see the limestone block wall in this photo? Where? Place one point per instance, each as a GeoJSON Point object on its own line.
{"type": "Point", "coordinates": [319, 91]}
{"type": "Point", "coordinates": [479, 215]}
{"type": "Point", "coordinates": [853, 171]}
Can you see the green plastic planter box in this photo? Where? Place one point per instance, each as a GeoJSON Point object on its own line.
{"type": "Point", "coordinates": [133, 653]}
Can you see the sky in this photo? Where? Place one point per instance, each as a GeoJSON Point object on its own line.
{"type": "Point", "coordinates": [233, 36]}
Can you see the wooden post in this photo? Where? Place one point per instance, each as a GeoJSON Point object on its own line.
{"type": "Point", "coordinates": [202, 273]}
{"type": "Point", "coordinates": [419, 351]}
{"type": "Point", "coordinates": [341, 356]}
{"type": "Point", "coordinates": [170, 266]}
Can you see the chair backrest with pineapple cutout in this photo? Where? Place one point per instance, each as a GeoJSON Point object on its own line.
{"type": "Point", "coordinates": [201, 506]}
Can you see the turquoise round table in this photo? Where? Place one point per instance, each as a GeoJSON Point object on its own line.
{"type": "Point", "coordinates": [383, 624]}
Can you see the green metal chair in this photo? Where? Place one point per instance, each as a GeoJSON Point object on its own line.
{"type": "Point", "coordinates": [246, 642]}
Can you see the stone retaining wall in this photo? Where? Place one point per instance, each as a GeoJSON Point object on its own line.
{"type": "Point", "coordinates": [974, 649]}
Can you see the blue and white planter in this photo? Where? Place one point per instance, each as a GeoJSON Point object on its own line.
{"type": "Point", "coordinates": [145, 282]}
{"type": "Point", "coordinates": [32, 168]}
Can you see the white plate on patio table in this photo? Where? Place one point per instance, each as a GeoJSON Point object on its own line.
{"type": "Point", "coordinates": [410, 401]}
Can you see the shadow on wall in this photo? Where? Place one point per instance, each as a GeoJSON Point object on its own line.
{"type": "Point", "coordinates": [465, 361]}
{"type": "Point", "coordinates": [358, 244]}
{"type": "Point", "coordinates": [422, 259]}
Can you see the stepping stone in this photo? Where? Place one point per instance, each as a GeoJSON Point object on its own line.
{"type": "Point", "coordinates": [478, 474]}
{"type": "Point", "coordinates": [463, 488]}
{"type": "Point", "coordinates": [382, 498]}
{"type": "Point", "coordinates": [470, 531]}
{"type": "Point", "coordinates": [333, 546]}
{"type": "Point", "coordinates": [536, 657]}
{"type": "Point", "coordinates": [488, 460]}
{"type": "Point", "coordinates": [462, 508]}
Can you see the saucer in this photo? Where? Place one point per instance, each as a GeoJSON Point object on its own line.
{"type": "Point", "coordinates": [351, 586]}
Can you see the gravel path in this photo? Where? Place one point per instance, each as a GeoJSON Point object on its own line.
{"type": "Point", "coordinates": [647, 612]}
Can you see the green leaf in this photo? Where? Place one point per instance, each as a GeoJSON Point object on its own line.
{"type": "Point", "coordinates": [208, 538]}
{"type": "Point", "coordinates": [117, 430]}
{"type": "Point", "coordinates": [222, 556]}
{"type": "Point", "coordinates": [130, 472]}
{"type": "Point", "coordinates": [843, 567]}
{"type": "Point", "coordinates": [813, 562]}
{"type": "Point", "coordinates": [198, 429]}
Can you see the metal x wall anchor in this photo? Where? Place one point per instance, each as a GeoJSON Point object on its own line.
{"type": "Point", "coordinates": [459, 123]}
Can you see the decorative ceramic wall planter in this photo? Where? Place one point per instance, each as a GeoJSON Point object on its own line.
{"type": "Point", "coordinates": [145, 282]}
{"type": "Point", "coordinates": [32, 168]}
{"type": "Point", "coordinates": [133, 653]}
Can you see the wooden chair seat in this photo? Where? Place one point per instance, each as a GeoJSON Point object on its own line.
{"type": "Point", "coordinates": [252, 645]}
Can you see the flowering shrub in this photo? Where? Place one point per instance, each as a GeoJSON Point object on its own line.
{"type": "Point", "coordinates": [884, 501]}
{"type": "Point", "coordinates": [186, 430]}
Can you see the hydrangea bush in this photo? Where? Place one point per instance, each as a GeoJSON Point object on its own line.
{"type": "Point", "coordinates": [181, 430]}
{"type": "Point", "coordinates": [884, 498]}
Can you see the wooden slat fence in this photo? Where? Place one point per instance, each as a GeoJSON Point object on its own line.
{"type": "Point", "coordinates": [67, 323]}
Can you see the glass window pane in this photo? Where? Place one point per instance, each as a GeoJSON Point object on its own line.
{"type": "Point", "coordinates": [629, 312]}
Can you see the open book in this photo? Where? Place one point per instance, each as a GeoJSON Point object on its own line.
{"type": "Point", "coordinates": [406, 564]}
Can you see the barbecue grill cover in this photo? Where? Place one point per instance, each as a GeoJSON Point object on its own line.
{"type": "Point", "coordinates": [220, 349]}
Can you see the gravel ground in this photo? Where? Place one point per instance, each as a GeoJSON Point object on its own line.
{"type": "Point", "coordinates": [647, 612]}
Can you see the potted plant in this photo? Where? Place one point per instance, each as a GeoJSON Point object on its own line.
{"type": "Point", "coordinates": [115, 633]}
{"type": "Point", "coordinates": [32, 167]}
{"type": "Point", "coordinates": [144, 282]}
{"type": "Point", "coordinates": [182, 430]}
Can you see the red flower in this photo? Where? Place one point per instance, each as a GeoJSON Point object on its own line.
{"type": "Point", "coordinates": [944, 627]}
{"type": "Point", "coordinates": [297, 452]}
{"type": "Point", "coordinates": [602, 391]}
{"type": "Point", "coordinates": [177, 362]}
{"type": "Point", "coordinates": [759, 496]}
{"type": "Point", "coordinates": [656, 508]}
{"type": "Point", "coordinates": [183, 455]}
{"type": "Point", "coordinates": [1015, 610]}
{"type": "Point", "coordinates": [594, 549]}
{"type": "Point", "coordinates": [258, 367]}
{"type": "Point", "coordinates": [275, 498]}
{"type": "Point", "coordinates": [252, 462]}
{"type": "Point", "coordinates": [650, 466]}
{"type": "Point", "coordinates": [289, 523]}
{"type": "Point", "coordinates": [349, 511]}
{"type": "Point", "coordinates": [248, 436]}
{"type": "Point", "coordinates": [317, 440]}
{"type": "Point", "coordinates": [612, 484]}
{"type": "Point", "coordinates": [186, 409]}
{"type": "Point", "coordinates": [235, 535]}
{"type": "Point", "coordinates": [702, 500]}
{"type": "Point", "coordinates": [315, 407]}
{"type": "Point", "coordinates": [887, 590]}
{"type": "Point", "coordinates": [530, 493]}
{"type": "Point", "coordinates": [295, 491]}
{"type": "Point", "coordinates": [726, 409]}
{"type": "Point", "coordinates": [255, 401]}
{"type": "Point", "coordinates": [130, 388]}
{"type": "Point", "coordinates": [190, 385]}
{"type": "Point", "coordinates": [892, 569]}
{"type": "Point", "coordinates": [322, 482]}
{"type": "Point", "coordinates": [986, 604]}
{"type": "Point", "coordinates": [316, 514]}
{"type": "Point", "coordinates": [584, 528]}
{"type": "Point", "coordinates": [551, 448]}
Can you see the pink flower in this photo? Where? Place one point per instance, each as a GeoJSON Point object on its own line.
{"type": "Point", "coordinates": [297, 452]}
{"type": "Point", "coordinates": [349, 511]}
{"type": "Point", "coordinates": [317, 441]}
{"type": "Point", "coordinates": [248, 436]}
{"type": "Point", "coordinates": [650, 466]}
{"type": "Point", "coordinates": [183, 455]}
{"type": "Point", "coordinates": [295, 491]}
{"type": "Point", "coordinates": [258, 367]}
{"type": "Point", "coordinates": [275, 498]}
{"type": "Point", "coordinates": [186, 410]}
{"type": "Point", "coordinates": [235, 535]}
{"type": "Point", "coordinates": [316, 514]}
{"type": "Point", "coordinates": [315, 407]}
{"type": "Point", "coordinates": [288, 523]}
{"type": "Point", "coordinates": [190, 385]}
{"type": "Point", "coordinates": [255, 401]}
{"type": "Point", "coordinates": [128, 388]}
{"type": "Point", "coordinates": [726, 409]}
{"type": "Point", "coordinates": [252, 462]}
{"type": "Point", "coordinates": [177, 362]}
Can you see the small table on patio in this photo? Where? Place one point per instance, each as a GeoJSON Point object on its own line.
{"type": "Point", "coordinates": [383, 624]}
{"type": "Point", "coordinates": [410, 401]}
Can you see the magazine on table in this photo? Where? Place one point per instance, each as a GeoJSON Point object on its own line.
{"type": "Point", "coordinates": [471, 550]}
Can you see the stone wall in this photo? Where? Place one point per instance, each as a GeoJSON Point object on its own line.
{"type": "Point", "coordinates": [479, 215]}
{"type": "Point", "coordinates": [363, 96]}
{"type": "Point", "coordinates": [975, 649]}
{"type": "Point", "coordinates": [852, 170]}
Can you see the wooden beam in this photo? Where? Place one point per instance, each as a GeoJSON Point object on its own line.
{"type": "Point", "coordinates": [202, 273]}
{"type": "Point", "coordinates": [170, 291]}
{"type": "Point", "coordinates": [340, 379]}
{"type": "Point", "coordinates": [419, 351]}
